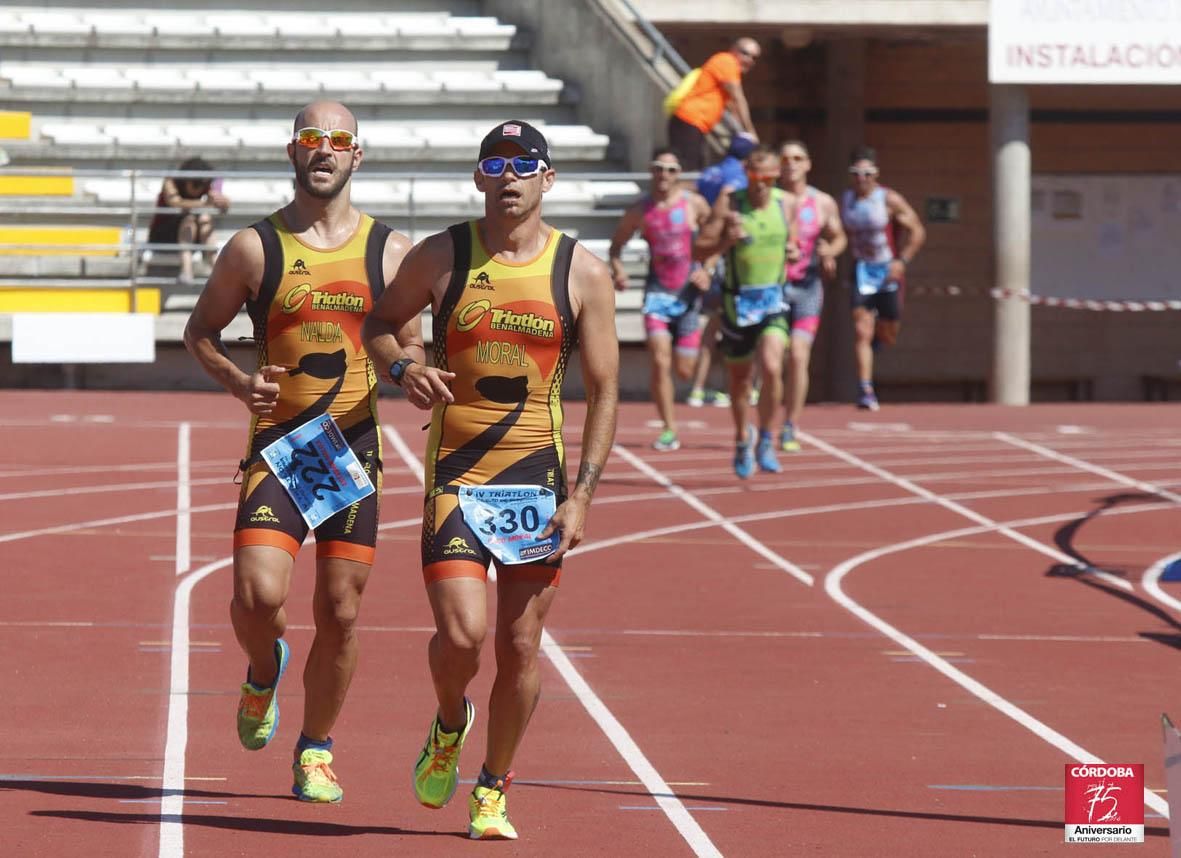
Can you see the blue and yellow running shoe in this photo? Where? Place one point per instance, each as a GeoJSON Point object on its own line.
{"type": "Point", "coordinates": [744, 455]}
{"type": "Point", "coordinates": [436, 774]}
{"type": "Point", "coordinates": [765, 454]}
{"type": "Point", "coordinates": [488, 807]}
{"type": "Point", "coordinates": [787, 439]}
{"type": "Point", "coordinates": [314, 778]}
{"type": "Point", "coordinates": [258, 708]}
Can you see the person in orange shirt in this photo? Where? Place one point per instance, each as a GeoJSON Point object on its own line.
{"type": "Point", "coordinates": [719, 85]}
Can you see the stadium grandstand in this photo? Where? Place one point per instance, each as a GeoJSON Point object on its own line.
{"type": "Point", "coordinates": [103, 103]}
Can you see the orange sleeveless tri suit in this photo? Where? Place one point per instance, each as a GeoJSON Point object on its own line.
{"type": "Point", "coordinates": [506, 330]}
{"type": "Point", "coordinates": [307, 317]}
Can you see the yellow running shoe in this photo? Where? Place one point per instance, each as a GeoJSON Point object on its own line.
{"type": "Point", "coordinates": [314, 778]}
{"type": "Point", "coordinates": [258, 708]}
{"type": "Point", "coordinates": [488, 807]}
{"type": "Point", "coordinates": [436, 774]}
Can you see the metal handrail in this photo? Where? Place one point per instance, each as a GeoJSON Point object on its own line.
{"type": "Point", "coordinates": [135, 212]}
{"type": "Point", "coordinates": [138, 208]}
{"type": "Point", "coordinates": [661, 46]}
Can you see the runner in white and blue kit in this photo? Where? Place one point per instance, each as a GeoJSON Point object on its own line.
{"type": "Point", "coordinates": [884, 235]}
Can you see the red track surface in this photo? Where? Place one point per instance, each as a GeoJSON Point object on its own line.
{"type": "Point", "coordinates": [784, 723]}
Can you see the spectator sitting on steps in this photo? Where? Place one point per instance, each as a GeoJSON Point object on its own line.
{"type": "Point", "coordinates": [188, 225]}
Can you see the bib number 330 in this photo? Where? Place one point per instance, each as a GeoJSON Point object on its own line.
{"type": "Point", "coordinates": [508, 519]}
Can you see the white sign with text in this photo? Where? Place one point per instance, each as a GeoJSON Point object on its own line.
{"type": "Point", "coordinates": [1084, 41]}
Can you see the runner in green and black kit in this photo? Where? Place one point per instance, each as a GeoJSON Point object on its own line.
{"type": "Point", "coordinates": [754, 229]}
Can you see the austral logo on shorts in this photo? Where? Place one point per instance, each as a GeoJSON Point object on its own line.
{"type": "Point", "coordinates": [503, 320]}
{"type": "Point", "coordinates": [458, 545]}
{"type": "Point", "coordinates": [1105, 803]}
{"type": "Point", "coordinates": [264, 515]}
{"type": "Point", "coordinates": [341, 302]}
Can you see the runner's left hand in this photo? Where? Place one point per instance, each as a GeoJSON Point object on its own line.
{"type": "Point", "coordinates": [569, 520]}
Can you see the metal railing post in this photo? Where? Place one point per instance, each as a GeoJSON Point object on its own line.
{"type": "Point", "coordinates": [134, 242]}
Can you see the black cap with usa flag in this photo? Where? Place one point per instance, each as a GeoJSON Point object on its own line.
{"type": "Point", "coordinates": [522, 134]}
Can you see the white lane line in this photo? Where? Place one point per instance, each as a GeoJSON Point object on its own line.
{"type": "Point", "coordinates": [73, 470]}
{"type": "Point", "coordinates": [1151, 581]}
{"type": "Point", "coordinates": [768, 515]}
{"type": "Point", "coordinates": [1107, 473]}
{"type": "Point", "coordinates": [106, 522]}
{"type": "Point", "coordinates": [176, 740]}
{"type": "Point", "coordinates": [184, 515]}
{"type": "Point", "coordinates": [103, 489]}
{"type": "Point", "coordinates": [172, 837]}
{"type": "Point", "coordinates": [960, 509]}
{"type": "Point", "coordinates": [713, 515]}
{"type": "Point", "coordinates": [615, 732]}
{"type": "Point", "coordinates": [832, 585]}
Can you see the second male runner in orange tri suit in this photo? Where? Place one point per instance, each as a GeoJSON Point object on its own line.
{"type": "Point", "coordinates": [510, 297]}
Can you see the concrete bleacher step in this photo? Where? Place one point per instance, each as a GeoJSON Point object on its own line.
{"type": "Point", "coordinates": [66, 27]}
{"type": "Point", "coordinates": [46, 241]}
{"type": "Point", "coordinates": [265, 140]}
{"type": "Point", "coordinates": [430, 194]}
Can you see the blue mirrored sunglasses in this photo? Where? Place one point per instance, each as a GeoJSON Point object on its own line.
{"type": "Point", "coordinates": [523, 166]}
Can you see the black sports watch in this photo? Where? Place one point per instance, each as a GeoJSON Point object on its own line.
{"type": "Point", "coordinates": [398, 369]}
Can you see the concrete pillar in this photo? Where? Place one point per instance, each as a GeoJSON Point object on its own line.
{"type": "Point", "coordinates": [844, 130]}
{"type": "Point", "coordinates": [1009, 121]}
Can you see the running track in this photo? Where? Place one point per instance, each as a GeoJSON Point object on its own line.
{"type": "Point", "coordinates": [891, 649]}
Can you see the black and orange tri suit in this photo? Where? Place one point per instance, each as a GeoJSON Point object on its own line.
{"type": "Point", "coordinates": [506, 330]}
{"type": "Point", "coordinates": [307, 317]}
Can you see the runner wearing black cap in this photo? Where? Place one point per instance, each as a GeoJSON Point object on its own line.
{"type": "Point", "coordinates": [511, 296]}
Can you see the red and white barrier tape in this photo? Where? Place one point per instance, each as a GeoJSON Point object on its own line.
{"type": "Point", "coordinates": [1088, 303]}
{"type": "Point", "coordinates": [1047, 301]}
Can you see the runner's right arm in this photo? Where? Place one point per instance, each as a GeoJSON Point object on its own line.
{"type": "Point", "coordinates": [236, 277]}
{"type": "Point", "coordinates": [703, 274]}
{"type": "Point", "coordinates": [628, 225]}
{"type": "Point", "coordinates": [393, 329]}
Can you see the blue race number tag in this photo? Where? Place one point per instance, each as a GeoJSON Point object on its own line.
{"type": "Point", "coordinates": [507, 520]}
{"type": "Point", "coordinates": [755, 303]}
{"type": "Point", "coordinates": [873, 277]}
{"type": "Point", "coordinates": [664, 305]}
{"type": "Point", "coordinates": [318, 469]}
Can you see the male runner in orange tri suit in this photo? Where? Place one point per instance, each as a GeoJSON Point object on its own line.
{"type": "Point", "coordinates": [510, 296]}
{"type": "Point", "coordinates": [307, 275]}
